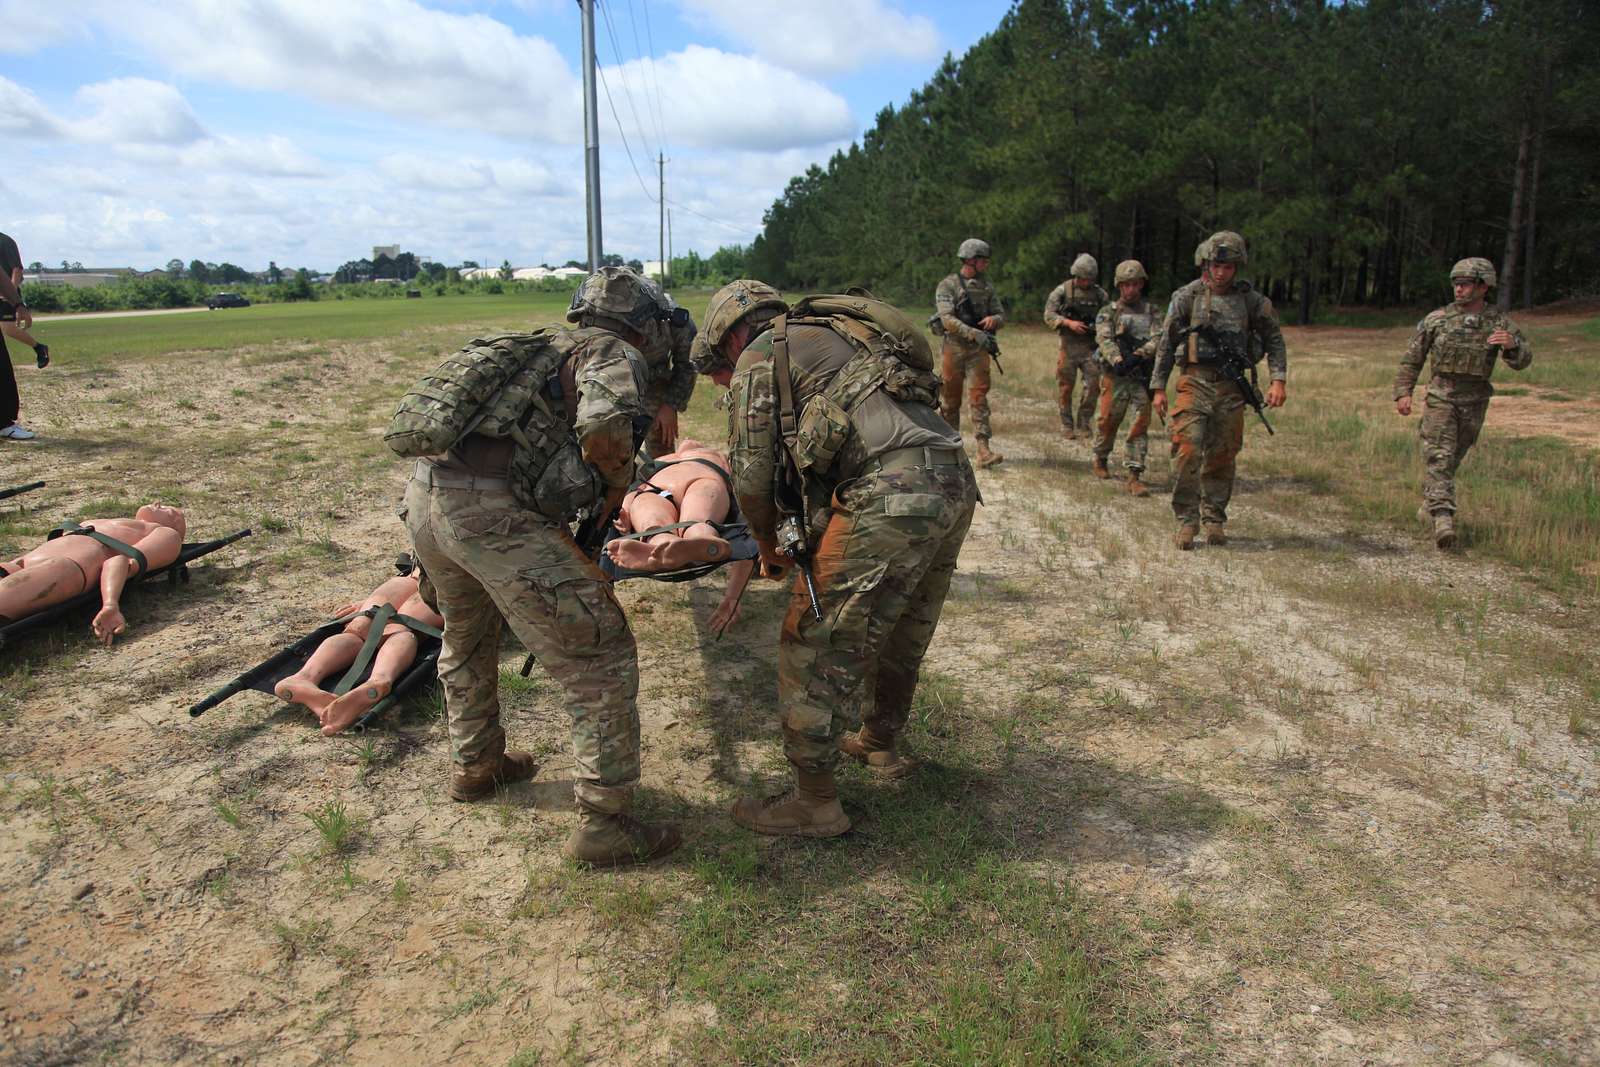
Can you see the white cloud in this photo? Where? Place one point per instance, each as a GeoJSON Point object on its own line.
{"type": "Point", "coordinates": [121, 111]}
{"type": "Point", "coordinates": [31, 25]}
{"type": "Point", "coordinates": [819, 37]}
{"type": "Point", "coordinates": [518, 177]}
{"type": "Point", "coordinates": [135, 110]}
{"type": "Point", "coordinates": [716, 99]}
{"type": "Point", "coordinates": [391, 56]}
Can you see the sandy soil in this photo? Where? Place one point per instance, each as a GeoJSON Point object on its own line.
{"type": "Point", "coordinates": [1360, 837]}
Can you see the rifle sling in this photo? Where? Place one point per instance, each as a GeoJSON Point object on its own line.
{"type": "Point", "coordinates": [788, 418]}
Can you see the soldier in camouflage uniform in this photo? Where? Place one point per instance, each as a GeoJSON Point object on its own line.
{"type": "Point", "coordinates": [1463, 339]}
{"type": "Point", "coordinates": [889, 512]}
{"type": "Point", "coordinates": [1208, 418]}
{"type": "Point", "coordinates": [968, 312]}
{"type": "Point", "coordinates": [669, 372]}
{"type": "Point", "coordinates": [487, 556]}
{"type": "Point", "coordinates": [1070, 310]}
{"type": "Point", "coordinates": [1126, 333]}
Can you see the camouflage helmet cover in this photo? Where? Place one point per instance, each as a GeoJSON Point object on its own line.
{"type": "Point", "coordinates": [1477, 268]}
{"type": "Point", "coordinates": [618, 293]}
{"type": "Point", "coordinates": [1224, 246]}
{"type": "Point", "coordinates": [728, 305]}
{"type": "Point", "coordinates": [1085, 267]}
{"type": "Point", "coordinates": [1130, 270]}
{"type": "Point", "coordinates": [972, 248]}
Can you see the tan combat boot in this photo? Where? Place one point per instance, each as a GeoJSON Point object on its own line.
{"type": "Point", "coordinates": [1068, 432]}
{"type": "Point", "coordinates": [810, 809]}
{"type": "Point", "coordinates": [987, 457]}
{"type": "Point", "coordinates": [476, 780]}
{"type": "Point", "coordinates": [1098, 465]}
{"type": "Point", "coordinates": [876, 755]}
{"type": "Point", "coordinates": [1215, 534]}
{"type": "Point", "coordinates": [1444, 530]}
{"type": "Point", "coordinates": [1135, 486]}
{"type": "Point", "coordinates": [603, 840]}
{"type": "Point", "coordinates": [1185, 536]}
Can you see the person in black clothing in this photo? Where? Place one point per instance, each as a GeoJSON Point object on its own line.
{"type": "Point", "coordinates": [12, 309]}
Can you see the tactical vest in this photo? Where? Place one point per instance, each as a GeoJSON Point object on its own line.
{"type": "Point", "coordinates": [1461, 346]}
{"type": "Point", "coordinates": [890, 355]}
{"type": "Point", "coordinates": [1235, 324]}
{"type": "Point", "coordinates": [505, 387]}
{"type": "Point", "coordinates": [1132, 327]}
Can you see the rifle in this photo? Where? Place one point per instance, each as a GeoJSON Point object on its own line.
{"type": "Point", "coordinates": [1233, 366]}
{"type": "Point", "coordinates": [1129, 367]}
{"type": "Point", "coordinates": [788, 488]}
{"type": "Point", "coordinates": [17, 490]}
{"type": "Point", "coordinates": [991, 344]}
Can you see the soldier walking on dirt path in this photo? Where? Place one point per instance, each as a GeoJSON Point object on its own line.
{"type": "Point", "coordinates": [889, 496]}
{"type": "Point", "coordinates": [493, 547]}
{"type": "Point", "coordinates": [968, 313]}
{"type": "Point", "coordinates": [1127, 335]}
{"type": "Point", "coordinates": [1463, 339]}
{"type": "Point", "coordinates": [1070, 310]}
{"type": "Point", "coordinates": [1229, 316]}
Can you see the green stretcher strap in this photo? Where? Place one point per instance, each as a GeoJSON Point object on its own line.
{"type": "Point", "coordinates": [120, 547]}
{"type": "Point", "coordinates": [380, 619]}
{"type": "Point", "coordinates": [417, 625]}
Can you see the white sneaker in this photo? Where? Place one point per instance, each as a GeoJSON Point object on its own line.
{"type": "Point", "coordinates": [18, 432]}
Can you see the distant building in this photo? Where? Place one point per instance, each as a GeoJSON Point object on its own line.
{"type": "Point", "coordinates": [80, 279]}
{"type": "Point", "coordinates": [392, 251]}
{"type": "Point", "coordinates": [652, 269]}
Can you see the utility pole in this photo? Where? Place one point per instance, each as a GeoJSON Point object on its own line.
{"type": "Point", "coordinates": [669, 234]}
{"type": "Point", "coordinates": [591, 137]}
{"type": "Point", "coordinates": [662, 189]}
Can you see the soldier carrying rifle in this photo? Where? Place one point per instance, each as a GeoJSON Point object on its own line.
{"type": "Point", "coordinates": [1214, 321]}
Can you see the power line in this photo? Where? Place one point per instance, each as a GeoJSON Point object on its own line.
{"type": "Point", "coordinates": [708, 218]}
{"type": "Point", "coordinates": [652, 103]}
{"type": "Point", "coordinates": [622, 71]}
{"type": "Point", "coordinates": [661, 124]}
{"type": "Point", "coordinates": [622, 133]}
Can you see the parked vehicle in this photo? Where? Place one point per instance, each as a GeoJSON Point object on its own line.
{"type": "Point", "coordinates": [226, 300]}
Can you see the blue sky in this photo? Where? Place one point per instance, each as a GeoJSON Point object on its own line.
{"type": "Point", "coordinates": [306, 131]}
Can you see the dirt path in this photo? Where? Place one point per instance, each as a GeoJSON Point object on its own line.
{"type": "Point", "coordinates": [1344, 815]}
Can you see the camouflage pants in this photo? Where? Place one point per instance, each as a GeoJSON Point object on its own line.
{"type": "Point", "coordinates": [1117, 395]}
{"type": "Point", "coordinates": [489, 558]}
{"type": "Point", "coordinates": [961, 358]}
{"type": "Point", "coordinates": [882, 569]}
{"type": "Point", "coordinates": [1073, 359]}
{"type": "Point", "coordinates": [1451, 421]}
{"type": "Point", "coordinates": [1207, 434]}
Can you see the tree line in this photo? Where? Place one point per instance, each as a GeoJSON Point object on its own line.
{"type": "Point", "coordinates": [1361, 148]}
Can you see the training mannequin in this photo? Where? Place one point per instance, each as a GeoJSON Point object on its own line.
{"type": "Point", "coordinates": [397, 652]}
{"type": "Point", "coordinates": [69, 565]}
{"type": "Point", "coordinates": [692, 488]}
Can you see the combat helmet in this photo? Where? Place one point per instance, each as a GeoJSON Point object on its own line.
{"type": "Point", "coordinates": [728, 305]}
{"type": "Point", "coordinates": [1085, 267]}
{"type": "Point", "coordinates": [973, 248]}
{"type": "Point", "coordinates": [1130, 270]}
{"type": "Point", "coordinates": [1477, 268]}
{"type": "Point", "coordinates": [620, 295]}
{"type": "Point", "coordinates": [1224, 246]}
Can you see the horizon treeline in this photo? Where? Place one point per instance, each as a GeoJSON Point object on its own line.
{"type": "Point", "coordinates": [1361, 148]}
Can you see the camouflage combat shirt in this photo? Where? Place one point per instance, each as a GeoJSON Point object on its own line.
{"type": "Point", "coordinates": [1242, 312]}
{"type": "Point", "coordinates": [1458, 343]}
{"type": "Point", "coordinates": [878, 425]}
{"type": "Point", "coordinates": [962, 302]}
{"type": "Point", "coordinates": [1074, 299]}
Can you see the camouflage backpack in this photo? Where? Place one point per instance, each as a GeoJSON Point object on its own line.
{"type": "Point", "coordinates": [505, 387]}
{"type": "Point", "coordinates": [891, 354]}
